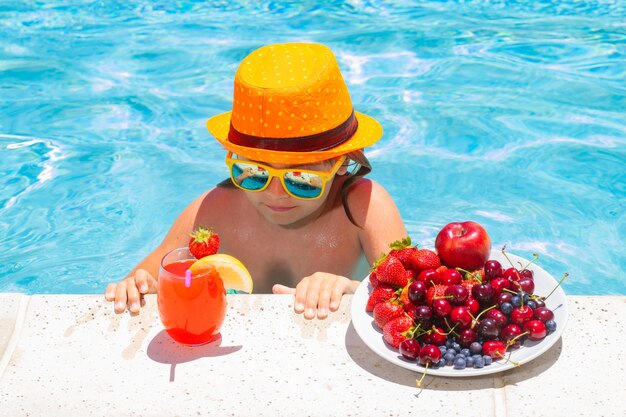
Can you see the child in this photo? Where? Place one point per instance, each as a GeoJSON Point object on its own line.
{"type": "Point", "coordinates": [304, 228]}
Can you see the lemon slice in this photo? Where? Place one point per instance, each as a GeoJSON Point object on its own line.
{"type": "Point", "coordinates": [233, 272]}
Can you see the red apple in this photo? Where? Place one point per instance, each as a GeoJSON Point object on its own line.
{"type": "Point", "coordinates": [463, 244]}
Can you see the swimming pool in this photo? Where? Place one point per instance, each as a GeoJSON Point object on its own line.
{"type": "Point", "coordinates": [507, 113]}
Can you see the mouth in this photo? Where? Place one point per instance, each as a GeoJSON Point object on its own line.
{"type": "Point", "coordinates": [279, 209]}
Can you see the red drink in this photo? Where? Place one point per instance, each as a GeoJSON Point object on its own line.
{"type": "Point", "coordinates": [191, 315]}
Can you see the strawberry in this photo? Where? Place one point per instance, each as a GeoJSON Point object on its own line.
{"type": "Point", "coordinates": [423, 259]}
{"type": "Point", "coordinates": [386, 311]}
{"type": "Point", "coordinates": [203, 242]}
{"type": "Point", "coordinates": [396, 330]}
{"type": "Point", "coordinates": [381, 293]}
{"type": "Point", "coordinates": [390, 271]}
{"type": "Point", "coordinates": [436, 291]}
{"type": "Point", "coordinates": [403, 250]}
{"type": "Point", "coordinates": [373, 280]}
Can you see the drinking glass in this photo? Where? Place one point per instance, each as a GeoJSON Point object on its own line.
{"type": "Point", "coordinates": [192, 308]}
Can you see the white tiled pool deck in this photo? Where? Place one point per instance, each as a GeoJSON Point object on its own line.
{"type": "Point", "coordinates": [70, 355]}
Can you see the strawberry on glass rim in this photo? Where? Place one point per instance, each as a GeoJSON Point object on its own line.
{"type": "Point", "coordinates": [203, 242]}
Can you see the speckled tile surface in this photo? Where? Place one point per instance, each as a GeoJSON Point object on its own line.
{"type": "Point", "coordinates": [76, 357]}
{"type": "Point", "coordinates": [9, 313]}
{"type": "Point", "coordinates": [583, 374]}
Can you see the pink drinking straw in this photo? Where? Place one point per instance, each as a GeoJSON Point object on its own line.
{"type": "Point", "coordinates": [188, 278]}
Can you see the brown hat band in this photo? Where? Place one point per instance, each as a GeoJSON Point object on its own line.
{"type": "Point", "coordinates": [316, 142]}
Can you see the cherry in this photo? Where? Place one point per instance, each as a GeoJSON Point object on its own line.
{"type": "Point", "coordinates": [493, 269]}
{"type": "Point", "coordinates": [512, 274]}
{"type": "Point", "coordinates": [536, 329]}
{"type": "Point", "coordinates": [494, 348]}
{"type": "Point", "coordinates": [428, 277]}
{"type": "Point", "coordinates": [450, 277]}
{"type": "Point", "coordinates": [544, 314]}
{"type": "Point", "coordinates": [499, 284]}
{"type": "Point", "coordinates": [441, 307]}
{"type": "Point", "coordinates": [500, 318]}
{"type": "Point", "coordinates": [527, 273]}
{"type": "Point", "coordinates": [457, 294]}
{"type": "Point", "coordinates": [461, 316]}
{"type": "Point", "coordinates": [525, 284]}
{"type": "Point", "coordinates": [436, 336]}
{"type": "Point", "coordinates": [484, 292]}
{"type": "Point", "coordinates": [473, 305]}
{"type": "Point", "coordinates": [417, 292]}
{"type": "Point", "coordinates": [429, 354]}
{"type": "Point", "coordinates": [423, 314]}
{"type": "Point", "coordinates": [488, 328]}
{"type": "Point", "coordinates": [539, 302]}
{"type": "Point", "coordinates": [521, 315]}
{"type": "Point", "coordinates": [409, 349]}
{"type": "Point", "coordinates": [466, 337]}
{"type": "Point", "coordinates": [510, 332]}
{"type": "Point", "coordinates": [504, 297]}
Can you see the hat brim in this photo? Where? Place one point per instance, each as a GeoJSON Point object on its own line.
{"type": "Point", "coordinates": [369, 131]}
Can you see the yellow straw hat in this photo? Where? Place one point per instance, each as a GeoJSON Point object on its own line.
{"type": "Point", "coordinates": [292, 106]}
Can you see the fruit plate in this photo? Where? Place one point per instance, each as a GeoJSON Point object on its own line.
{"type": "Point", "coordinates": [372, 336]}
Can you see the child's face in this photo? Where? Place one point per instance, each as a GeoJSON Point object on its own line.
{"type": "Point", "coordinates": [277, 206]}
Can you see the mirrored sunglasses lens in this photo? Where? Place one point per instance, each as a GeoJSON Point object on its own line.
{"type": "Point", "coordinates": [303, 184]}
{"type": "Point", "coordinates": [249, 176]}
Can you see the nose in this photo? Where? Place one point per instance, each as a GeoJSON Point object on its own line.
{"type": "Point", "coordinates": [275, 188]}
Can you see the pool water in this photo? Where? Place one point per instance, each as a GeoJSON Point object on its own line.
{"type": "Point", "coordinates": [510, 113]}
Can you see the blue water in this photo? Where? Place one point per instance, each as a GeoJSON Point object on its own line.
{"type": "Point", "coordinates": [508, 113]}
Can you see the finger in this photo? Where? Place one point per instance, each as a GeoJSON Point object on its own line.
{"type": "Point", "coordinates": [109, 293]}
{"type": "Point", "coordinates": [300, 297]}
{"type": "Point", "coordinates": [120, 297]}
{"type": "Point", "coordinates": [312, 298]}
{"type": "Point", "coordinates": [337, 293]}
{"type": "Point", "coordinates": [282, 289]}
{"type": "Point", "coordinates": [133, 297]}
{"type": "Point", "coordinates": [324, 295]}
{"type": "Point", "coordinates": [142, 281]}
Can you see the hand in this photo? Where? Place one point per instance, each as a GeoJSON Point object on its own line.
{"type": "Point", "coordinates": [317, 294]}
{"type": "Point", "coordinates": [130, 291]}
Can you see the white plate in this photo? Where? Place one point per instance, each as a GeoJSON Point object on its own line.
{"type": "Point", "coordinates": [372, 336]}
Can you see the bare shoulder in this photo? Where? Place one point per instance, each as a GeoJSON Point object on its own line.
{"type": "Point", "coordinates": [377, 216]}
{"type": "Point", "coordinates": [366, 195]}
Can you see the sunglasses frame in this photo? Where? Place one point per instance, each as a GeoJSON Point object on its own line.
{"type": "Point", "coordinates": [280, 174]}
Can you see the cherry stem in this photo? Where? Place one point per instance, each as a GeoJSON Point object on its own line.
{"type": "Point", "coordinates": [471, 275]}
{"type": "Point", "coordinates": [507, 258]}
{"type": "Point", "coordinates": [535, 257]}
{"type": "Point", "coordinates": [508, 359]}
{"type": "Point", "coordinates": [475, 320]}
{"type": "Point", "coordinates": [418, 382]}
{"type": "Point", "coordinates": [557, 285]}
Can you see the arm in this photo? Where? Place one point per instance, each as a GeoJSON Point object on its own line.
{"type": "Point", "coordinates": [374, 210]}
{"type": "Point", "coordinates": [143, 278]}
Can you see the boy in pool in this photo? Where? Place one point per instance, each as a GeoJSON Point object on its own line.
{"type": "Point", "coordinates": [297, 211]}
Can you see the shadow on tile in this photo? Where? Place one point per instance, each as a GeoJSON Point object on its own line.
{"type": "Point", "coordinates": [363, 356]}
{"type": "Point", "coordinates": [163, 349]}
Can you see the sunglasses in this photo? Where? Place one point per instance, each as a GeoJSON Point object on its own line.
{"type": "Point", "coordinates": [305, 184]}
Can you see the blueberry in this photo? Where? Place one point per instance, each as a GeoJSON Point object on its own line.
{"type": "Point", "coordinates": [516, 300]}
{"type": "Point", "coordinates": [469, 361]}
{"type": "Point", "coordinates": [550, 326]}
{"type": "Point", "coordinates": [479, 362]}
{"type": "Point", "coordinates": [451, 350]}
{"type": "Point", "coordinates": [465, 352]}
{"type": "Point", "coordinates": [449, 358]}
{"type": "Point", "coordinates": [506, 308]}
{"type": "Point", "coordinates": [456, 346]}
{"type": "Point", "coordinates": [459, 363]}
{"type": "Point", "coordinates": [441, 363]}
{"type": "Point", "coordinates": [475, 348]}
{"type": "Point", "coordinates": [487, 359]}
{"type": "Point", "coordinates": [531, 304]}
{"type": "Point", "coordinates": [449, 343]}
{"type": "Point", "coordinates": [443, 349]}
